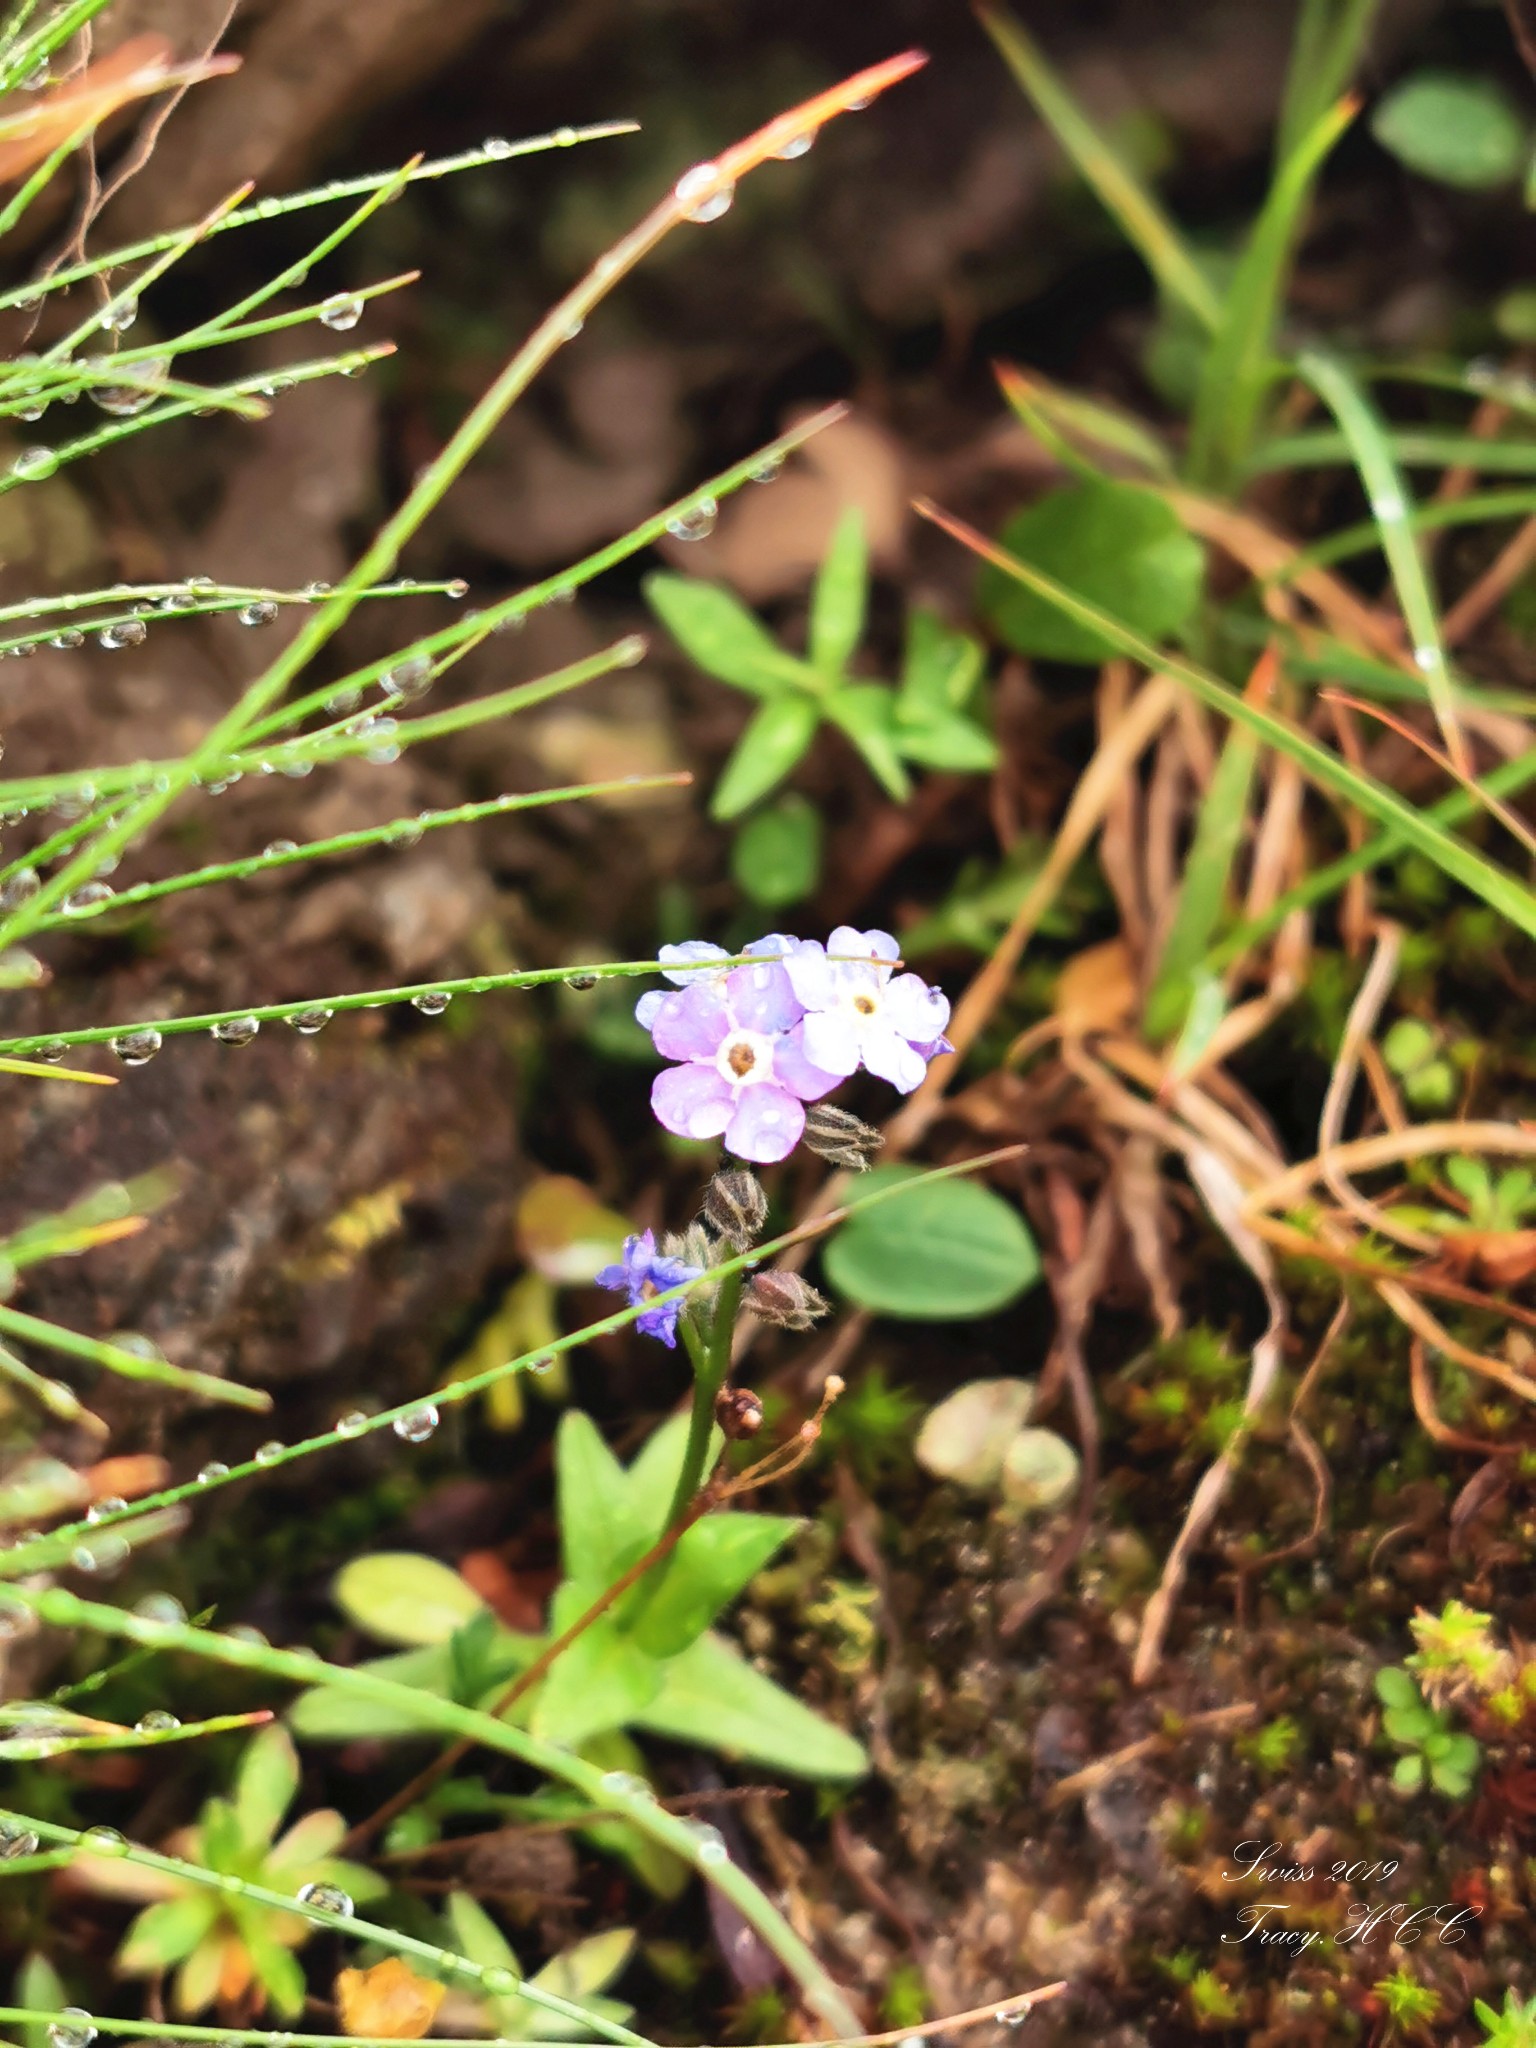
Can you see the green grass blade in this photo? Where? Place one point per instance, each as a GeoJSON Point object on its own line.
{"type": "Point", "coordinates": [1391, 508]}
{"type": "Point", "coordinates": [1412, 447]}
{"type": "Point", "coordinates": [1330, 38]}
{"type": "Point", "coordinates": [1495, 886]}
{"type": "Point", "coordinates": [1240, 365]}
{"type": "Point", "coordinates": [1474, 509]}
{"type": "Point", "coordinates": [1139, 216]}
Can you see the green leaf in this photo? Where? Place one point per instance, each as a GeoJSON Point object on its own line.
{"type": "Point", "coordinates": [658, 1867]}
{"type": "Point", "coordinates": [718, 632]}
{"type": "Point", "coordinates": [325, 1714]}
{"type": "Point", "coordinates": [1453, 126]}
{"type": "Point", "coordinates": [265, 1783]}
{"type": "Point", "coordinates": [1408, 1773]}
{"type": "Point", "coordinates": [601, 1530]}
{"type": "Point", "coordinates": [1395, 1687]}
{"type": "Point", "coordinates": [773, 742]}
{"type": "Point", "coordinates": [165, 1934]}
{"type": "Point", "coordinates": [866, 713]}
{"type": "Point", "coordinates": [940, 672]}
{"type": "Point", "coordinates": [1110, 544]}
{"type": "Point", "coordinates": [710, 1692]}
{"type": "Point", "coordinates": [402, 1597]}
{"type": "Point", "coordinates": [946, 1251]}
{"type": "Point", "coordinates": [713, 1562]}
{"type": "Point", "coordinates": [840, 597]}
{"type": "Point", "coordinates": [477, 1937]}
{"type": "Point", "coordinates": [953, 745]}
{"type": "Point", "coordinates": [278, 1968]}
{"type": "Point", "coordinates": [652, 1477]}
{"type": "Point", "coordinates": [39, 1988]}
{"type": "Point", "coordinates": [604, 1680]}
{"type": "Point", "coordinates": [776, 856]}
{"type": "Point", "coordinates": [579, 1973]}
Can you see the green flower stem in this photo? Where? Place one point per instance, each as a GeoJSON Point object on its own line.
{"type": "Point", "coordinates": [14, 1322]}
{"type": "Point", "coordinates": [250, 1893]}
{"type": "Point", "coordinates": [60, 1609]}
{"type": "Point", "coordinates": [708, 1379]}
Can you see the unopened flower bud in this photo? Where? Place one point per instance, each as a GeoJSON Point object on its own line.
{"type": "Point", "coordinates": [785, 1300]}
{"type": "Point", "coordinates": [739, 1413]}
{"type": "Point", "coordinates": [692, 1246]}
{"type": "Point", "coordinates": [736, 1208]}
{"type": "Point", "coordinates": [839, 1138]}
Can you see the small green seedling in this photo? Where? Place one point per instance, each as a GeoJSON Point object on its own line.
{"type": "Point", "coordinates": [1407, 2004]}
{"type": "Point", "coordinates": [1434, 1753]}
{"type": "Point", "coordinates": [1514, 2027]}
{"type": "Point", "coordinates": [927, 719]}
{"type": "Point", "coordinates": [227, 1950]}
{"type": "Point", "coordinates": [1456, 1647]}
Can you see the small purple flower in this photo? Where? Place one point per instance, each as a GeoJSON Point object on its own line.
{"type": "Point", "coordinates": [856, 1015]}
{"type": "Point", "coordinates": [646, 1272]}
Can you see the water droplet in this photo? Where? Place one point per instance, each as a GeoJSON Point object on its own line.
{"type": "Point", "coordinates": [630, 652]}
{"type": "Point", "coordinates": [74, 2028]}
{"type": "Point", "coordinates": [110, 1504]}
{"type": "Point", "coordinates": [72, 638]}
{"type": "Point", "coordinates": [625, 1785]}
{"type": "Point", "coordinates": [37, 77]}
{"type": "Point", "coordinates": [416, 1424]}
{"type": "Point", "coordinates": [431, 1002]}
{"type": "Point", "coordinates": [408, 679]}
{"type": "Point", "coordinates": [124, 633]}
{"type": "Point", "coordinates": [274, 848]}
{"type": "Point", "coordinates": [316, 590]}
{"type": "Point", "coordinates": [701, 195]}
{"type": "Point", "coordinates": [770, 467]}
{"type": "Point", "coordinates": [543, 1363]}
{"type": "Point", "coordinates": [16, 1840]}
{"type": "Point", "coordinates": [572, 327]}
{"type": "Point", "coordinates": [697, 523]}
{"type": "Point", "coordinates": [164, 1607]}
{"type": "Point", "coordinates": [260, 612]}
{"type": "Point", "coordinates": [86, 898]}
{"type": "Point", "coordinates": [458, 588]}
{"type": "Point", "coordinates": [19, 888]}
{"type": "Point", "coordinates": [269, 1453]}
{"type": "Point", "coordinates": [212, 1473]}
{"type": "Point", "coordinates": [353, 1424]}
{"type": "Point", "coordinates": [235, 1030]}
{"type": "Point", "coordinates": [340, 702]}
{"type": "Point", "coordinates": [137, 1048]}
{"type": "Point", "coordinates": [497, 1981]}
{"type": "Point", "coordinates": [496, 146]}
{"type": "Point", "coordinates": [33, 463]}
{"type": "Point", "coordinates": [103, 1554]}
{"type": "Point", "coordinates": [50, 1052]}
{"type": "Point", "coordinates": [341, 311]}
{"type": "Point", "coordinates": [141, 386]}
{"type": "Point", "coordinates": [330, 1898]}
{"type": "Point", "coordinates": [1426, 658]}
{"type": "Point", "coordinates": [104, 1842]}
{"type": "Point", "coordinates": [710, 1841]}
{"type": "Point", "coordinates": [582, 982]}
{"type": "Point", "coordinates": [32, 413]}
{"type": "Point", "coordinates": [565, 138]}
{"type": "Point", "coordinates": [119, 316]}
{"type": "Point", "coordinates": [858, 106]}
{"type": "Point", "coordinates": [15, 1621]}
{"type": "Point", "coordinates": [1011, 2015]}
{"type": "Point", "coordinates": [308, 1022]}
{"type": "Point", "coordinates": [156, 1722]}
{"type": "Point", "coordinates": [797, 146]}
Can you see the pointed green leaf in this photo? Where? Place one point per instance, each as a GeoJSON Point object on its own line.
{"type": "Point", "coordinates": [604, 1680]}
{"type": "Point", "coordinates": [652, 1477]}
{"type": "Point", "coordinates": [601, 1530]}
{"type": "Point", "coordinates": [841, 596]}
{"type": "Point", "coordinates": [776, 856]}
{"type": "Point", "coordinates": [265, 1783]}
{"type": "Point", "coordinates": [165, 1935]}
{"type": "Point", "coordinates": [1110, 544]}
{"type": "Point", "coordinates": [277, 1967]}
{"type": "Point", "coordinates": [579, 1973]}
{"type": "Point", "coordinates": [711, 1690]}
{"type": "Point", "coordinates": [402, 1597]}
{"type": "Point", "coordinates": [39, 1988]}
{"type": "Point", "coordinates": [941, 669]}
{"type": "Point", "coordinates": [714, 1561]}
{"type": "Point", "coordinates": [954, 745]}
{"type": "Point", "coordinates": [476, 1935]}
{"type": "Point", "coordinates": [773, 742]}
{"type": "Point", "coordinates": [866, 713]}
{"type": "Point", "coordinates": [720, 634]}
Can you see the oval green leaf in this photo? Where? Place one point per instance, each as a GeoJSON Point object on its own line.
{"type": "Point", "coordinates": [1459, 129]}
{"type": "Point", "coordinates": [402, 1597]}
{"type": "Point", "coordinates": [946, 1251]}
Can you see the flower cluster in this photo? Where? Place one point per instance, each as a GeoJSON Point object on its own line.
{"type": "Point", "coordinates": [753, 1044]}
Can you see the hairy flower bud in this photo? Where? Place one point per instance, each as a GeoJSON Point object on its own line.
{"type": "Point", "coordinates": [839, 1138]}
{"type": "Point", "coordinates": [785, 1300]}
{"type": "Point", "coordinates": [692, 1246]}
{"type": "Point", "coordinates": [739, 1413]}
{"type": "Point", "coordinates": [736, 1208]}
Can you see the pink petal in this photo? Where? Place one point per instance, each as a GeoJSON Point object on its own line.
{"type": "Point", "coordinates": [690, 1024]}
{"type": "Point", "coordinates": [766, 1126]}
{"type": "Point", "coordinates": [794, 1068]}
{"type": "Point", "coordinates": [915, 1010]}
{"type": "Point", "coordinates": [692, 1101]}
{"type": "Point", "coordinates": [892, 1058]}
{"type": "Point", "coordinates": [830, 1042]}
{"type": "Point", "coordinates": [761, 998]}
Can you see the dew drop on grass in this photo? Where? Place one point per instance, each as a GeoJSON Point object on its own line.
{"type": "Point", "coordinates": [572, 327]}
{"type": "Point", "coordinates": [408, 679]}
{"type": "Point", "coordinates": [72, 638]}
{"type": "Point", "coordinates": [19, 888]}
{"type": "Point", "coordinates": [353, 1424]}
{"type": "Point", "coordinates": [112, 1504]}
{"type": "Point", "coordinates": [330, 1898]}
{"type": "Point", "coordinates": [269, 1453]}
{"type": "Point", "coordinates": [625, 1785]}
{"type": "Point", "coordinates": [341, 311]}
{"type": "Point", "coordinates": [543, 1363]}
{"type": "Point", "coordinates": [164, 1607]}
{"type": "Point", "coordinates": [416, 1424]}
{"type": "Point", "coordinates": [797, 146]}
{"type": "Point", "coordinates": [85, 898]}
{"type": "Point", "coordinates": [770, 467]}
{"type": "Point", "coordinates": [496, 146]}
{"type": "Point", "coordinates": [342, 701]}
{"type": "Point", "coordinates": [16, 1840]}
{"type": "Point", "coordinates": [274, 847]}
{"type": "Point", "coordinates": [457, 588]}
{"type": "Point", "coordinates": [212, 1473]}
{"type": "Point", "coordinates": [142, 384]}
{"type": "Point", "coordinates": [33, 463]}
{"type": "Point", "coordinates": [1011, 2015]}
{"type": "Point", "coordinates": [74, 2028]}
{"type": "Point", "coordinates": [156, 1722]}
{"type": "Point", "coordinates": [308, 1022]}
{"type": "Point", "coordinates": [498, 1982]}
{"type": "Point", "coordinates": [104, 1842]}
{"type": "Point", "coordinates": [119, 316]}
{"type": "Point", "coordinates": [235, 1030]}
{"type": "Point", "coordinates": [103, 1554]}
{"type": "Point", "coordinates": [710, 1842]}
{"type": "Point", "coordinates": [260, 612]}
{"type": "Point", "coordinates": [581, 982]}
{"type": "Point", "coordinates": [316, 590]}
{"type": "Point", "coordinates": [137, 1048]}
{"type": "Point", "coordinates": [431, 1002]}
{"type": "Point", "coordinates": [858, 106]}
{"type": "Point", "coordinates": [50, 1053]}
{"type": "Point", "coordinates": [125, 633]}
{"type": "Point", "coordinates": [697, 523]}
{"type": "Point", "coordinates": [701, 195]}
